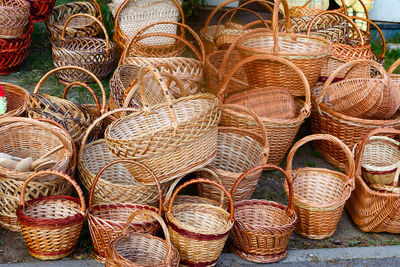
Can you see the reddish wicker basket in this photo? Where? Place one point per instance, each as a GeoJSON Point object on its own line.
{"type": "Point", "coordinates": [41, 9]}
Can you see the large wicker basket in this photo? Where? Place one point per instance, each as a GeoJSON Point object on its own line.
{"type": "Point", "coordinates": [14, 17]}
{"type": "Point", "coordinates": [17, 98]}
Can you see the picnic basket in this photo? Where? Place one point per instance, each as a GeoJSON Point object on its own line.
{"type": "Point", "coordinates": [17, 98]}
{"type": "Point", "coordinates": [93, 54]}
{"type": "Point", "coordinates": [137, 249]}
{"type": "Point", "coordinates": [41, 9]}
{"type": "Point", "coordinates": [199, 231]}
{"type": "Point", "coordinates": [14, 18]}
{"type": "Point", "coordinates": [319, 193]}
{"type": "Point", "coordinates": [262, 228]}
{"type": "Point", "coordinates": [51, 225]}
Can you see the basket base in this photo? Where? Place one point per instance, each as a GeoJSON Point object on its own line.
{"type": "Point", "coordinates": [48, 256]}
{"type": "Point", "coordinates": [315, 236]}
{"type": "Point", "coordinates": [259, 258]}
{"type": "Point", "coordinates": [98, 257]}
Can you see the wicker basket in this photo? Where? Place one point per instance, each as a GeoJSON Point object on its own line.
{"type": "Point", "coordinates": [93, 54]}
{"type": "Point", "coordinates": [106, 221]}
{"type": "Point", "coordinates": [371, 210]}
{"type": "Point", "coordinates": [262, 228]}
{"type": "Point", "coordinates": [394, 77]}
{"type": "Point", "coordinates": [134, 18]}
{"type": "Point", "coordinates": [13, 52]}
{"type": "Point", "coordinates": [280, 132]}
{"type": "Point", "coordinates": [238, 149]}
{"type": "Point", "coordinates": [136, 249]}
{"type": "Point", "coordinates": [199, 231]}
{"type": "Point", "coordinates": [41, 9]}
{"type": "Point", "coordinates": [179, 137]}
{"type": "Point", "coordinates": [14, 18]}
{"type": "Point", "coordinates": [305, 11]}
{"type": "Point", "coordinates": [79, 27]}
{"type": "Point", "coordinates": [319, 193]}
{"type": "Point", "coordinates": [17, 98]}
{"type": "Point", "coordinates": [51, 225]}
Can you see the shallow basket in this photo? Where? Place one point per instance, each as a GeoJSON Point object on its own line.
{"type": "Point", "coordinates": [262, 228]}
{"type": "Point", "coordinates": [319, 194]}
{"type": "Point", "coordinates": [17, 98]}
{"type": "Point", "coordinates": [41, 9]}
{"type": "Point", "coordinates": [14, 18]}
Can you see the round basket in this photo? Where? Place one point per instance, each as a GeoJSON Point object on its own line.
{"type": "Point", "coordinates": [199, 231]}
{"type": "Point", "coordinates": [262, 228]}
{"type": "Point", "coordinates": [137, 249]}
{"type": "Point", "coordinates": [51, 225]}
{"type": "Point", "coordinates": [280, 132]}
{"type": "Point", "coordinates": [93, 54]}
{"type": "Point", "coordinates": [238, 149]}
{"type": "Point", "coordinates": [79, 27]}
{"type": "Point", "coordinates": [106, 221]}
{"type": "Point", "coordinates": [14, 17]}
{"type": "Point", "coordinates": [319, 193]}
{"type": "Point", "coordinates": [17, 98]}
{"type": "Point", "coordinates": [41, 9]}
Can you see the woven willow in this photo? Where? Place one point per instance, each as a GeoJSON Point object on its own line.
{"type": "Point", "coordinates": [262, 228]}
{"type": "Point", "coordinates": [14, 17]}
{"type": "Point", "coordinates": [394, 77]}
{"type": "Point", "coordinates": [136, 249]}
{"type": "Point", "coordinates": [17, 98]}
{"type": "Point", "coordinates": [319, 193]}
{"type": "Point", "coordinates": [305, 11]}
{"type": "Point", "coordinates": [79, 27]}
{"type": "Point", "coordinates": [51, 225]}
{"type": "Point", "coordinates": [93, 54]}
{"type": "Point", "coordinates": [41, 9]}
{"type": "Point", "coordinates": [199, 231]}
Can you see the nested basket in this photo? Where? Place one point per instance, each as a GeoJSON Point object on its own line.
{"type": "Point", "coordinates": [17, 98]}
{"type": "Point", "coordinates": [174, 138]}
{"type": "Point", "coordinates": [74, 118]}
{"type": "Point", "coordinates": [51, 225]}
{"type": "Point", "coordinates": [280, 132]}
{"type": "Point", "coordinates": [319, 193]}
{"type": "Point", "coordinates": [262, 228]}
{"type": "Point", "coordinates": [138, 249]}
{"type": "Point", "coordinates": [238, 149]}
{"type": "Point", "coordinates": [134, 18]}
{"type": "Point", "coordinates": [41, 9]}
{"type": "Point", "coordinates": [13, 52]}
{"type": "Point", "coordinates": [93, 54]}
{"type": "Point", "coordinates": [107, 220]}
{"type": "Point", "coordinates": [372, 210]}
{"type": "Point", "coordinates": [79, 27]}
{"type": "Point", "coordinates": [199, 231]}
{"type": "Point", "coordinates": [14, 18]}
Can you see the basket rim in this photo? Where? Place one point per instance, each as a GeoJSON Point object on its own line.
{"type": "Point", "coordinates": [60, 45]}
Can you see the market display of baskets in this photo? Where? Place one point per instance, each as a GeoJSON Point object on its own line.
{"type": "Point", "coordinates": [14, 17]}
{"type": "Point", "coordinates": [41, 9]}
{"type": "Point", "coordinates": [17, 98]}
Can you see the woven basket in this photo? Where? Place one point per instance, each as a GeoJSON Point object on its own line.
{"type": "Point", "coordinates": [93, 54]}
{"type": "Point", "coordinates": [135, 18]}
{"type": "Point", "coordinates": [137, 249]}
{"type": "Point", "coordinates": [13, 52]}
{"type": "Point", "coordinates": [363, 97]}
{"type": "Point", "coordinates": [73, 117]}
{"type": "Point", "coordinates": [177, 138]}
{"type": "Point", "coordinates": [280, 132]}
{"type": "Point", "coordinates": [262, 228]}
{"type": "Point", "coordinates": [238, 149]}
{"type": "Point", "coordinates": [319, 193]}
{"type": "Point", "coordinates": [106, 221]}
{"type": "Point", "coordinates": [14, 18]}
{"type": "Point", "coordinates": [305, 11]}
{"type": "Point", "coordinates": [17, 98]}
{"type": "Point", "coordinates": [51, 225]}
{"type": "Point", "coordinates": [394, 77]}
{"type": "Point", "coordinates": [41, 9]}
{"type": "Point", "coordinates": [79, 27]}
{"type": "Point", "coordinates": [199, 231]}
{"type": "Point", "coordinates": [371, 210]}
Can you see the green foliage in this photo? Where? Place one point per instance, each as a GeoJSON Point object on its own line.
{"type": "Point", "coordinates": [191, 7]}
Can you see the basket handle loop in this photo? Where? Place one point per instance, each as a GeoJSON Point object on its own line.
{"type": "Point", "coordinates": [289, 210]}
{"type": "Point", "coordinates": [47, 75]}
{"type": "Point", "coordinates": [125, 230]}
{"type": "Point", "coordinates": [307, 104]}
{"type": "Point", "coordinates": [394, 66]}
{"type": "Point", "coordinates": [130, 161]}
{"type": "Point", "coordinates": [202, 180]}
{"type": "Point", "coordinates": [275, 20]}
{"type": "Point", "coordinates": [350, 166]}
{"type": "Point", "coordinates": [84, 85]}
{"type": "Point", "coordinates": [93, 18]}
{"type": "Point", "coordinates": [99, 9]}
{"type": "Point", "coordinates": [57, 173]}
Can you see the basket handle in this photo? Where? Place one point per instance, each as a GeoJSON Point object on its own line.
{"type": "Point", "coordinates": [125, 161]}
{"type": "Point", "coordinates": [340, 15]}
{"type": "Point", "coordinates": [57, 173]}
{"type": "Point", "coordinates": [275, 28]}
{"type": "Point", "coordinates": [365, 12]}
{"type": "Point", "coordinates": [99, 9]}
{"type": "Point", "coordinates": [93, 18]}
{"type": "Point", "coordinates": [350, 166]}
{"type": "Point", "coordinates": [394, 66]}
{"type": "Point", "coordinates": [84, 85]}
{"type": "Point", "coordinates": [289, 210]}
{"type": "Point", "coordinates": [47, 75]}
{"type": "Point", "coordinates": [125, 230]}
{"type": "Point", "coordinates": [307, 103]}
{"type": "Point", "coordinates": [202, 180]}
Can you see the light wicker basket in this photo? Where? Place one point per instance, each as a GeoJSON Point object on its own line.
{"type": "Point", "coordinates": [17, 98]}
{"type": "Point", "coordinates": [14, 18]}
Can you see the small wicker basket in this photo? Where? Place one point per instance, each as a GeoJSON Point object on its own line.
{"type": "Point", "coordinates": [17, 98]}
{"type": "Point", "coordinates": [14, 18]}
